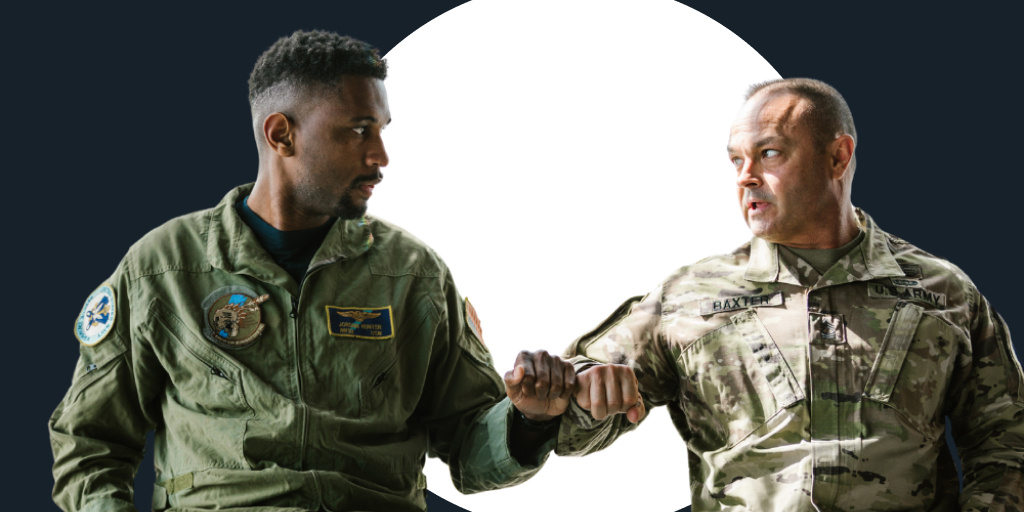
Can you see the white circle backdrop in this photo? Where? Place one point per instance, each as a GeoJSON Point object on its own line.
{"type": "Point", "coordinates": [562, 156]}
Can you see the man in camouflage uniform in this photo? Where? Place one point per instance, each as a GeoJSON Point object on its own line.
{"type": "Point", "coordinates": [812, 368]}
{"type": "Point", "coordinates": [290, 353]}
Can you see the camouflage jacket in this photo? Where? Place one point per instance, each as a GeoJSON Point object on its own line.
{"type": "Point", "coordinates": [795, 390]}
{"type": "Point", "coordinates": [270, 395]}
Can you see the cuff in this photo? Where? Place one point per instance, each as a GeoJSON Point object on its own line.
{"type": "Point", "coordinates": [109, 505]}
{"type": "Point", "coordinates": [488, 463]}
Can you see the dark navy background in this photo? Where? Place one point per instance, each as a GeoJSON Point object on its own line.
{"type": "Point", "coordinates": [118, 118]}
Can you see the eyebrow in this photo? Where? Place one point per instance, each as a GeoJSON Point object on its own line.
{"type": "Point", "coordinates": [767, 141]}
{"type": "Point", "coordinates": [371, 119]}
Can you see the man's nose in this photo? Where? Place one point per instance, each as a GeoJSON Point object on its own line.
{"type": "Point", "coordinates": [377, 155]}
{"type": "Point", "coordinates": [749, 176]}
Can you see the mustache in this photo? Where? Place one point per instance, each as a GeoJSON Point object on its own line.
{"type": "Point", "coordinates": [368, 178]}
{"type": "Point", "coordinates": [759, 195]}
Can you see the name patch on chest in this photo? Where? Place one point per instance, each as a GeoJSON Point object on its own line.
{"type": "Point", "coordinates": [363, 323]}
{"type": "Point", "coordinates": [712, 306]}
{"type": "Point", "coordinates": [882, 291]}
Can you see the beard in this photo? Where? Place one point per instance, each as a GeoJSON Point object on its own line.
{"type": "Point", "coordinates": [315, 198]}
{"type": "Point", "coordinates": [346, 209]}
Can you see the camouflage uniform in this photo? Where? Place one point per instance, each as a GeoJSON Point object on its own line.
{"type": "Point", "coordinates": [794, 389]}
{"type": "Point", "coordinates": [296, 418]}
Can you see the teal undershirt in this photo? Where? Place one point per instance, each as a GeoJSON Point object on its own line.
{"type": "Point", "coordinates": [292, 250]}
{"type": "Point", "coordinates": [823, 259]}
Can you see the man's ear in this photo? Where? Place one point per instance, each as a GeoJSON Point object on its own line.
{"type": "Point", "coordinates": [279, 134]}
{"type": "Point", "coordinates": [841, 151]}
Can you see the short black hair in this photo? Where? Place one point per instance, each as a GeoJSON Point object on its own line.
{"type": "Point", "coordinates": [829, 116]}
{"type": "Point", "coordinates": [316, 57]}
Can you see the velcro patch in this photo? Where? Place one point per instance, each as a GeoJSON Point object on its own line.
{"type": "Point", "coordinates": [882, 291]}
{"type": "Point", "coordinates": [363, 323]}
{"type": "Point", "coordinates": [712, 306]}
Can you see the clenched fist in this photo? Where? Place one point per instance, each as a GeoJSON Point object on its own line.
{"type": "Point", "coordinates": [608, 389]}
{"type": "Point", "coordinates": [540, 385]}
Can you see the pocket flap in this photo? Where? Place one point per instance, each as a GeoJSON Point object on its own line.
{"type": "Point", "coordinates": [893, 351]}
{"type": "Point", "coordinates": [777, 372]}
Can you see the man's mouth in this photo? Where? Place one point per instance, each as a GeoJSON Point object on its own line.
{"type": "Point", "coordinates": [366, 186]}
{"type": "Point", "coordinates": [756, 205]}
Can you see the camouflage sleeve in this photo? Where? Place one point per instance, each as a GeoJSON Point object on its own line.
{"type": "Point", "coordinates": [988, 416]}
{"type": "Point", "coordinates": [630, 336]}
{"type": "Point", "coordinates": [473, 417]}
{"type": "Point", "coordinates": [98, 431]}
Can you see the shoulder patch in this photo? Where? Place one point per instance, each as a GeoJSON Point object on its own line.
{"type": "Point", "coordinates": [359, 322]}
{"type": "Point", "coordinates": [473, 320]}
{"type": "Point", "coordinates": [97, 316]}
{"type": "Point", "coordinates": [474, 345]}
{"type": "Point", "coordinates": [233, 316]}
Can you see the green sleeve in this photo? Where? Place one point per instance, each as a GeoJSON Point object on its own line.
{"type": "Point", "coordinates": [472, 418]}
{"type": "Point", "coordinates": [988, 417]}
{"type": "Point", "coordinates": [98, 430]}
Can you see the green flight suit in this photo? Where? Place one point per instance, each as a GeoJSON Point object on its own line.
{"type": "Point", "coordinates": [800, 391]}
{"type": "Point", "coordinates": [352, 377]}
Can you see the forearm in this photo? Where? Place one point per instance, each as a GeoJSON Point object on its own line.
{"type": "Point", "coordinates": [485, 460]}
{"type": "Point", "coordinates": [988, 422]}
{"type": "Point", "coordinates": [580, 434]}
{"type": "Point", "coordinates": [97, 434]}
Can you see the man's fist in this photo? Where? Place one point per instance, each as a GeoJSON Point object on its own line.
{"type": "Point", "coordinates": [540, 385]}
{"type": "Point", "coordinates": [608, 389]}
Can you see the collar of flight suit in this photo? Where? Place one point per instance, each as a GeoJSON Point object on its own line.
{"type": "Point", "coordinates": [232, 246]}
{"type": "Point", "coordinates": [871, 259]}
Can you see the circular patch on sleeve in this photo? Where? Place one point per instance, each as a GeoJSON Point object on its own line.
{"type": "Point", "coordinates": [97, 317]}
{"type": "Point", "coordinates": [233, 317]}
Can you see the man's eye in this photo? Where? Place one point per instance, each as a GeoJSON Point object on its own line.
{"type": "Point", "coordinates": [768, 153]}
{"type": "Point", "coordinates": [737, 161]}
{"type": "Point", "coordinates": [359, 129]}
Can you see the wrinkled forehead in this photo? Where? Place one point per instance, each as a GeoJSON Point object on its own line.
{"type": "Point", "coordinates": [780, 113]}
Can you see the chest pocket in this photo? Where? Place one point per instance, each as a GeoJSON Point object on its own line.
{"type": "Point", "coordinates": [913, 367]}
{"type": "Point", "coordinates": [735, 380]}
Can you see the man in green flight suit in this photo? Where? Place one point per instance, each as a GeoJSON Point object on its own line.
{"type": "Point", "coordinates": [812, 368]}
{"type": "Point", "coordinates": [290, 352]}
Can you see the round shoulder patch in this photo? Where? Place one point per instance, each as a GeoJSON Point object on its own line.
{"type": "Point", "coordinates": [233, 317]}
{"type": "Point", "coordinates": [97, 317]}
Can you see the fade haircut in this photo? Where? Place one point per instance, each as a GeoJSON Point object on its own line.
{"type": "Point", "coordinates": [315, 57]}
{"type": "Point", "coordinates": [305, 62]}
{"type": "Point", "coordinates": [829, 115]}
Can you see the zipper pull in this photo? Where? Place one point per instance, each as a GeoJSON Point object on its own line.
{"type": "Point", "coordinates": [218, 372]}
{"type": "Point", "coordinates": [380, 378]}
{"type": "Point", "coordinates": [295, 308]}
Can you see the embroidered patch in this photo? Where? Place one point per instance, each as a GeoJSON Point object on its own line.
{"type": "Point", "coordinates": [712, 306]}
{"type": "Point", "coordinates": [911, 271]}
{"type": "Point", "coordinates": [474, 321]}
{"type": "Point", "coordinates": [233, 316]}
{"type": "Point", "coordinates": [827, 329]}
{"type": "Point", "coordinates": [883, 291]}
{"type": "Point", "coordinates": [97, 316]}
{"type": "Point", "coordinates": [363, 323]}
{"type": "Point", "coordinates": [896, 281]}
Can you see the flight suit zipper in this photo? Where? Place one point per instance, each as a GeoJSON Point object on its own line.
{"type": "Point", "coordinates": [294, 314]}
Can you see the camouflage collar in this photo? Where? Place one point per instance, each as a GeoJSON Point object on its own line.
{"type": "Point", "coordinates": [869, 260]}
{"type": "Point", "coordinates": [232, 246]}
